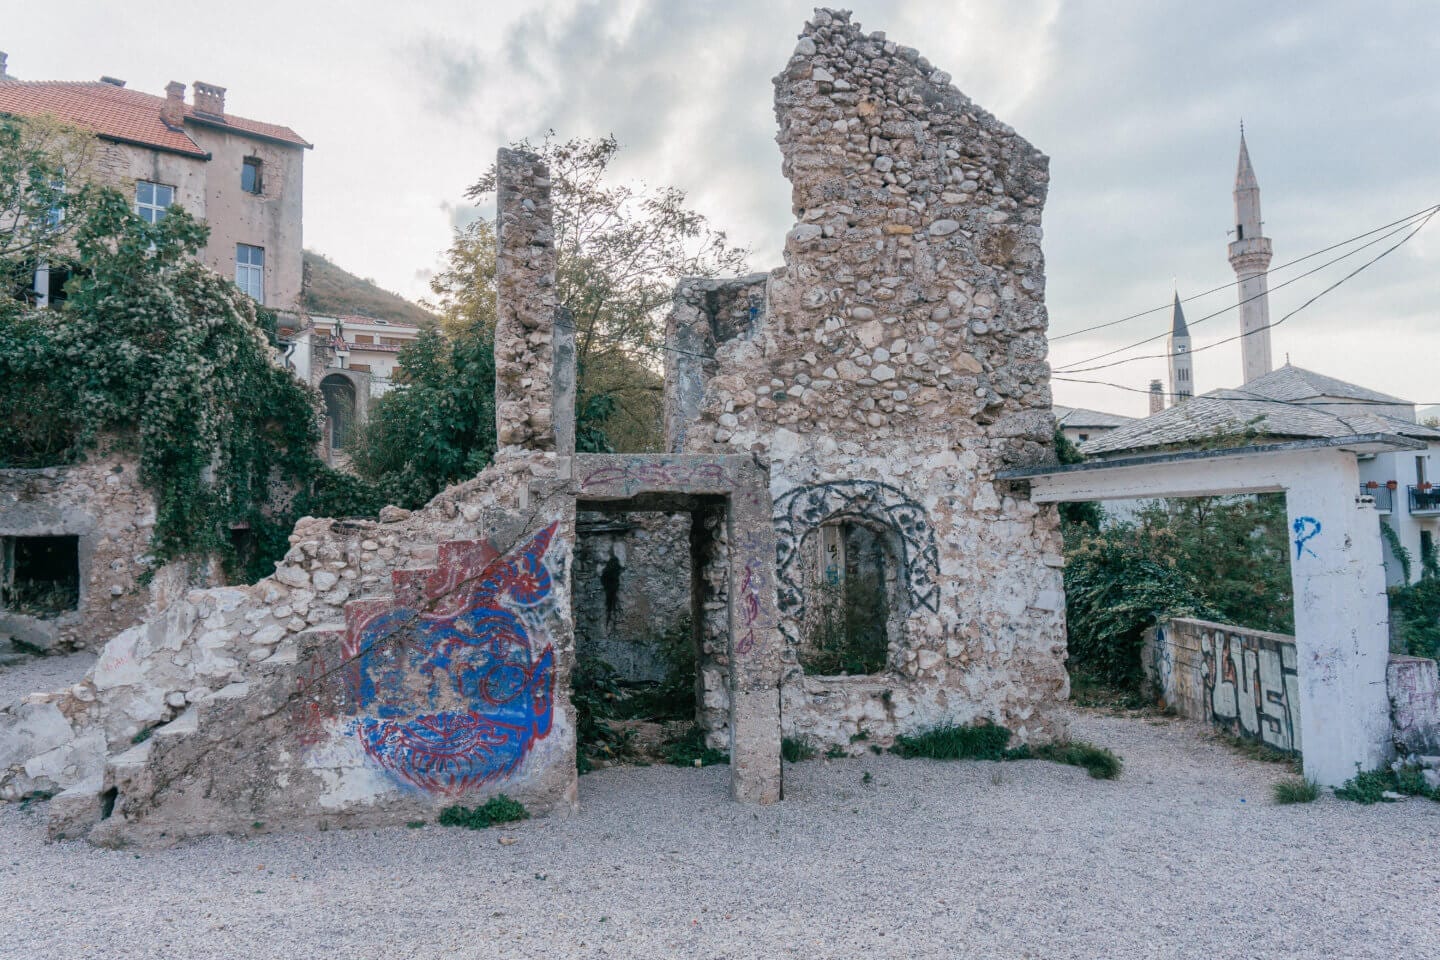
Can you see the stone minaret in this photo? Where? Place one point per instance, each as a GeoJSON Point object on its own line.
{"type": "Point", "coordinates": [1250, 256]}
{"type": "Point", "coordinates": [1157, 397]}
{"type": "Point", "coordinates": [1182, 364]}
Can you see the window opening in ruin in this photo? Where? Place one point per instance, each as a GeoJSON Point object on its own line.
{"type": "Point", "coordinates": [636, 651]}
{"type": "Point", "coordinates": [854, 614]}
{"type": "Point", "coordinates": [250, 175]}
{"type": "Point", "coordinates": [339, 394]}
{"type": "Point", "coordinates": [41, 576]}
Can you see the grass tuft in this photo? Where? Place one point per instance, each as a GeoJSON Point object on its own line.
{"type": "Point", "coordinates": [690, 750]}
{"type": "Point", "coordinates": [1100, 763]}
{"type": "Point", "coordinates": [796, 749]}
{"type": "Point", "coordinates": [498, 809]}
{"type": "Point", "coordinates": [981, 741]}
{"type": "Point", "coordinates": [1295, 790]}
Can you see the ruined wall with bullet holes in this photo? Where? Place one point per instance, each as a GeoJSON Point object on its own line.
{"type": "Point", "coordinates": [887, 372]}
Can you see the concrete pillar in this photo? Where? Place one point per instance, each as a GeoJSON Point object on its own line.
{"type": "Point", "coordinates": [1341, 621]}
{"type": "Point", "coordinates": [755, 645]}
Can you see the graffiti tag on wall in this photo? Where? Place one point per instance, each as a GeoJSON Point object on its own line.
{"type": "Point", "coordinates": [1252, 687]}
{"type": "Point", "coordinates": [806, 508]}
{"type": "Point", "coordinates": [450, 688]}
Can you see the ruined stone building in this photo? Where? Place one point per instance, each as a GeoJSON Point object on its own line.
{"type": "Point", "coordinates": [835, 428]}
{"type": "Point", "coordinates": [243, 177]}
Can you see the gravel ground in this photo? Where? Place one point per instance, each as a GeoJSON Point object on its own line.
{"type": "Point", "coordinates": [37, 674]}
{"type": "Point", "coordinates": [1182, 857]}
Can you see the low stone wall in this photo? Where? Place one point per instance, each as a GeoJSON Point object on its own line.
{"type": "Point", "coordinates": [102, 503]}
{"type": "Point", "coordinates": [1243, 681]}
{"type": "Point", "coordinates": [1415, 704]}
{"type": "Point", "coordinates": [1246, 682]}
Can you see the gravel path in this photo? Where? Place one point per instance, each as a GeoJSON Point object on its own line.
{"type": "Point", "coordinates": [1182, 857]}
{"type": "Point", "coordinates": [36, 674]}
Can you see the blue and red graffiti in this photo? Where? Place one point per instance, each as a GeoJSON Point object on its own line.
{"type": "Point", "coordinates": [451, 689]}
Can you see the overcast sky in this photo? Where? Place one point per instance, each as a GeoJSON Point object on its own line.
{"type": "Point", "coordinates": [1137, 103]}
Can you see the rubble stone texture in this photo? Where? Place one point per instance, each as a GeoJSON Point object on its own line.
{"type": "Point", "coordinates": [525, 303]}
{"type": "Point", "coordinates": [888, 371]}
{"type": "Point", "coordinates": [103, 503]}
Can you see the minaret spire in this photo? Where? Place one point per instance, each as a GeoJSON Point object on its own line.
{"type": "Point", "coordinates": [1250, 256]}
{"type": "Point", "coordinates": [1182, 364]}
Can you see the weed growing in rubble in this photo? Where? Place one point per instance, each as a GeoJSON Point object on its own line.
{"type": "Point", "coordinates": [1370, 786]}
{"type": "Point", "coordinates": [690, 751]}
{"type": "Point", "coordinates": [498, 809]}
{"type": "Point", "coordinates": [795, 749]}
{"type": "Point", "coordinates": [989, 741]}
{"type": "Point", "coordinates": [1295, 790]}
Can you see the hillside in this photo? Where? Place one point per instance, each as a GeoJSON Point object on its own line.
{"type": "Point", "coordinates": [333, 291]}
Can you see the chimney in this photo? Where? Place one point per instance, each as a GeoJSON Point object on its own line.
{"type": "Point", "coordinates": [113, 81]}
{"type": "Point", "coordinates": [173, 112]}
{"type": "Point", "coordinates": [209, 99]}
{"type": "Point", "coordinates": [1157, 397]}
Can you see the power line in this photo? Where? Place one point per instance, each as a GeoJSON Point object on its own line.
{"type": "Point", "coordinates": [1075, 368]}
{"type": "Point", "coordinates": [1226, 286]}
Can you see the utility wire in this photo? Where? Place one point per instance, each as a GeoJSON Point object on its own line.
{"type": "Point", "coordinates": [1232, 283]}
{"type": "Point", "coordinates": [1076, 368]}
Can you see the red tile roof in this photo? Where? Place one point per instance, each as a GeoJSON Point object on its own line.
{"type": "Point", "coordinates": [117, 113]}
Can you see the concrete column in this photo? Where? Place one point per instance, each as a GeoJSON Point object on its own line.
{"type": "Point", "coordinates": [1341, 621]}
{"type": "Point", "coordinates": [755, 645]}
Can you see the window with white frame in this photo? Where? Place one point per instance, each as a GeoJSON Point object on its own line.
{"type": "Point", "coordinates": [152, 199]}
{"type": "Point", "coordinates": [250, 270]}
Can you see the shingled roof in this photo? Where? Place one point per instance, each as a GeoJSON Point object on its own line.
{"type": "Point", "coordinates": [127, 116]}
{"type": "Point", "coordinates": [1081, 417]}
{"type": "Point", "coordinates": [1288, 403]}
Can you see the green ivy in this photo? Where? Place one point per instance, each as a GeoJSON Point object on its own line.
{"type": "Point", "coordinates": [154, 349]}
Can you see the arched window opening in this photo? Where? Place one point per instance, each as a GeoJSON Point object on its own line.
{"type": "Point", "coordinates": [855, 614]}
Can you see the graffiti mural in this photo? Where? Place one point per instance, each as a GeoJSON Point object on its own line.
{"type": "Point", "coordinates": [450, 686]}
{"type": "Point", "coordinates": [806, 508]}
{"type": "Point", "coordinates": [1252, 687]}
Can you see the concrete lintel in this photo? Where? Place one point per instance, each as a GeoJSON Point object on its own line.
{"type": "Point", "coordinates": [607, 476]}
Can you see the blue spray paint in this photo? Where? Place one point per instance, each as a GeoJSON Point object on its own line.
{"type": "Point", "coordinates": [1305, 529]}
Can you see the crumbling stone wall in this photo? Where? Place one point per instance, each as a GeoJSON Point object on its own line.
{"type": "Point", "coordinates": [631, 586]}
{"type": "Point", "coordinates": [896, 364]}
{"type": "Point", "coordinates": [525, 303]}
{"type": "Point", "coordinates": [102, 502]}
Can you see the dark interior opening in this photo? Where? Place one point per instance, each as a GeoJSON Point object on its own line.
{"type": "Point", "coordinates": [41, 575]}
{"type": "Point", "coordinates": [851, 614]}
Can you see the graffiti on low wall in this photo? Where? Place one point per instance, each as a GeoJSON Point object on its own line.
{"type": "Point", "coordinates": [1242, 681]}
{"type": "Point", "coordinates": [450, 688]}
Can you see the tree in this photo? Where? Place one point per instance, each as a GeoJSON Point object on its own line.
{"type": "Point", "coordinates": [153, 350]}
{"type": "Point", "coordinates": [620, 251]}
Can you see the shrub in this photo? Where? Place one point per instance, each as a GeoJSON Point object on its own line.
{"type": "Point", "coordinates": [981, 741]}
{"type": "Point", "coordinates": [1097, 761]}
{"type": "Point", "coordinates": [1294, 790]}
{"type": "Point", "coordinates": [1368, 787]}
{"type": "Point", "coordinates": [498, 809]}
{"type": "Point", "coordinates": [686, 750]}
{"type": "Point", "coordinates": [796, 749]}
{"type": "Point", "coordinates": [1415, 617]}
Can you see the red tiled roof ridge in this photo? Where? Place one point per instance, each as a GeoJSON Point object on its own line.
{"type": "Point", "coordinates": [124, 114]}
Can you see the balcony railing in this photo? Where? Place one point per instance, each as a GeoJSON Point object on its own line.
{"type": "Point", "coordinates": [1383, 495]}
{"type": "Point", "coordinates": [1424, 498]}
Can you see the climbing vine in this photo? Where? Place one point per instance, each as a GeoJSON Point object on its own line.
{"type": "Point", "coordinates": [154, 351]}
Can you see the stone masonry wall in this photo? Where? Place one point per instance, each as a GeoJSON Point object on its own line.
{"type": "Point", "coordinates": [631, 585]}
{"type": "Point", "coordinates": [101, 501]}
{"type": "Point", "coordinates": [897, 364]}
{"type": "Point", "coordinates": [525, 303]}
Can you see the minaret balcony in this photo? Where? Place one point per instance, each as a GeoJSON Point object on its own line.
{"type": "Point", "coordinates": [1251, 255]}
